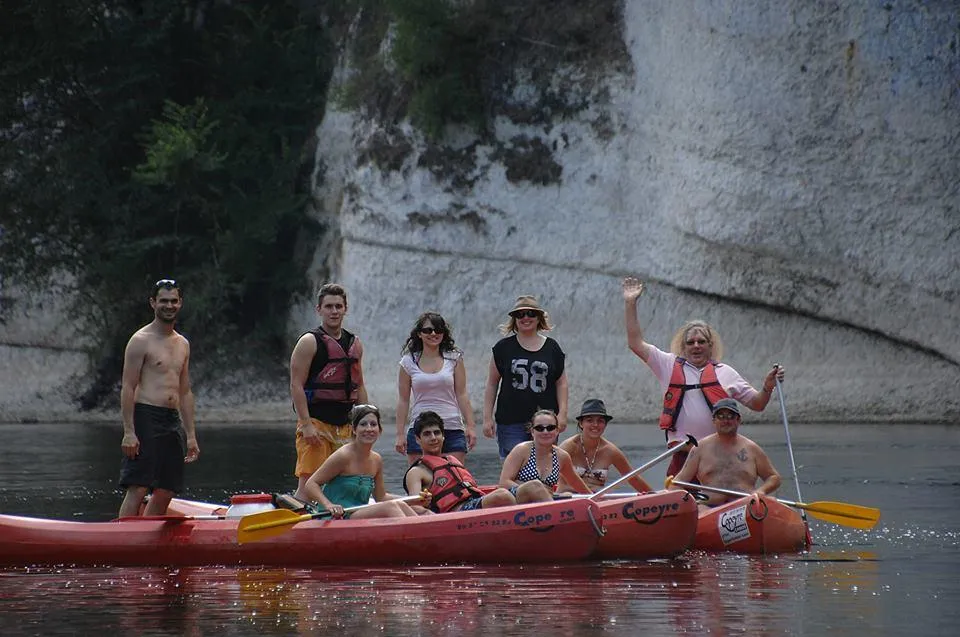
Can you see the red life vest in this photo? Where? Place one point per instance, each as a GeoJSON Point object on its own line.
{"type": "Point", "coordinates": [333, 370]}
{"type": "Point", "coordinates": [673, 398]}
{"type": "Point", "coordinates": [452, 483]}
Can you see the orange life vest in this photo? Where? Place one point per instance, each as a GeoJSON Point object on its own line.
{"type": "Point", "coordinates": [332, 371]}
{"type": "Point", "coordinates": [673, 398]}
{"type": "Point", "coordinates": [452, 483]}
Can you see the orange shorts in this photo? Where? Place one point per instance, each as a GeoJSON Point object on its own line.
{"type": "Point", "coordinates": [332, 437]}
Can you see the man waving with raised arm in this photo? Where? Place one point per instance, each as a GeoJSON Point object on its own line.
{"type": "Point", "coordinates": [691, 375]}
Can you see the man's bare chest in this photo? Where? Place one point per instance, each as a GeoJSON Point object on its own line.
{"type": "Point", "coordinates": [164, 358]}
{"type": "Point", "coordinates": [729, 462]}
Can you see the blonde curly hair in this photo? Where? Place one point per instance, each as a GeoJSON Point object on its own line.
{"type": "Point", "coordinates": [679, 339]}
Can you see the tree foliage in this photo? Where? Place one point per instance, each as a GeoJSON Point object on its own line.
{"type": "Point", "coordinates": [442, 62]}
{"type": "Point", "coordinates": [151, 139]}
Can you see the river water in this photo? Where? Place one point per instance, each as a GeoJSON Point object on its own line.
{"type": "Point", "coordinates": [899, 578]}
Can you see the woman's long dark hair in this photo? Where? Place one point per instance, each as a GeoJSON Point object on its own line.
{"type": "Point", "coordinates": [414, 343]}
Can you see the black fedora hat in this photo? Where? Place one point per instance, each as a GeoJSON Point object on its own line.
{"type": "Point", "coordinates": [594, 407]}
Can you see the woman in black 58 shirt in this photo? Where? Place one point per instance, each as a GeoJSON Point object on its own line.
{"type": "Point", "coordinates": [526, 374]}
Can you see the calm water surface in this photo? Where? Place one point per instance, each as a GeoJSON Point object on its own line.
{"type": "Point", "coordinates": [898, 578]}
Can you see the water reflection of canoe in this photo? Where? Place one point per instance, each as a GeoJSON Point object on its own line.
{"type": "Point", "coordinates": [648, 525]}
{"type": "Point", "coordinates": [744, 526]}
{"type": "Point", "coordinates": [552, 532]}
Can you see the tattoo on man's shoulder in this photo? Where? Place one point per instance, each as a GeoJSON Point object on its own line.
{"type": "Point", "coordinates": [742, 454]}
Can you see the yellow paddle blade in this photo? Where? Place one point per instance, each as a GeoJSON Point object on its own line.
{"type": "Point", "coordinates": [852, 515]}
{"type": "Point", "coordinates": [267, 524]}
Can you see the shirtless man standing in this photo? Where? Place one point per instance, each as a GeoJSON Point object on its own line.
{"type": "Point", "coordinates": [728, 460]}
{"type": "Point", "coordinates": [155, 393]}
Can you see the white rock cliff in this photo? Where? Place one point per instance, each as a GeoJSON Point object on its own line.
{"type": "Point", "coordinates": [788, 171]}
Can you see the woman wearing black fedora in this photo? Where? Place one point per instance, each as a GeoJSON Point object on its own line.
{"type": "Point", "coordinates": [526, 374]}
{"type": "Point", "coordinates": [592, 454]}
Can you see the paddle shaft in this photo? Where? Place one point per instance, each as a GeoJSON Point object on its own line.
{"type": "Point", "coordinates": [854, 515]}
{"type": "Point", "coordinates": [786, 429]}
{"type": "Point", "coordinates": [607, 496]}
{"type": "Point", "coordinates": [691, 441]}
{"type": "Point", "coordinates": [739, 494]}
{"type": "Point", "coordinates": [324, 514]}
{"type": "Point", "coordinates": [170, 518]}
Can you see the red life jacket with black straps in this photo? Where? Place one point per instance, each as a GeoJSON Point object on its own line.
{"type": "Point", "coordinates": [452, 483]}
{"type": "Point", "coordinates": [333, 370]}
{"type": "Point", "coordinates": [673, 398]}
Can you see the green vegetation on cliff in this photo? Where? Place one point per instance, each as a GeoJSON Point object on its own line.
{"type": "Point", "coordinates": [451, 62]}
{"type": "Point", "coordinates": [143, 140]}
{"type": "Point", "coordinates": [157, 139]}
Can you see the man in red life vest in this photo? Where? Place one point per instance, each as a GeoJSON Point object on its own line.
{"type": "Point", "coordinates": [692, 377]}
{"type": "Point", "coordinates": [452, 487]}
{"type": "Point", "coordinates": [326, 381]}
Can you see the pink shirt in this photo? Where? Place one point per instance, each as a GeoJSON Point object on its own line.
{"type": "Point", "coordinates": [694, 417]}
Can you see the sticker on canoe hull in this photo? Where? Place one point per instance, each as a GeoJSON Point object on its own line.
{"type": "Point", "coordinates": [732, 525]}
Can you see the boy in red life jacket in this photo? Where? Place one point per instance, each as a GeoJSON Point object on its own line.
{"type": "Point", "coordinates": [326, 381]}
{"type": "Point", "coordinates": [691, 375]}
{"type": "Point", "coordinates": [453, 487]}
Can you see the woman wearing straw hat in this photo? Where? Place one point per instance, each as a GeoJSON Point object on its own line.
{"type": "Point", "coordinates": [526, 374]}
{"type": "Point", "coordinates": [592, 454]}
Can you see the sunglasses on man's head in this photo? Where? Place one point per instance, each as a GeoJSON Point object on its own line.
{"type": "Point", "coordinates": [525, 314]}
{"type": "Point", "coordinates": [165, 283]}
{"type": "Point", "coordinates": [544, 427]}
{"type": "Point", "coordinates": [432, 330]}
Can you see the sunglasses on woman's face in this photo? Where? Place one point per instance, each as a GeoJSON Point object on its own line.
{"type": "Point", "coordinates": [544, 427]}
{"type": "Point", "coordinates": [431, 330]}
{"type": "Point", "coordinates": [525, 314]}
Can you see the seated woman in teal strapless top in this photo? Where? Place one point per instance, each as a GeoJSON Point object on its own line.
{"type": "Point", "coordinates": [354, 472]}
{"type": "Point", "coordinates": [349, 491]}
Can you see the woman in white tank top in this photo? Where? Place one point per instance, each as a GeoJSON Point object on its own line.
{"type": "Point", "coordinates": [432, 377]}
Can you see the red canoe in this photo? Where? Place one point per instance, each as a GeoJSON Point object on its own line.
{"type": "Point", "coordinates": [637, 526]}
{"type": "Point", "coordinates": [561, 531]}
{"type": "Point", "coordinates": [744, 526]}
{"type": "Point", "coordinates": [647, 525]}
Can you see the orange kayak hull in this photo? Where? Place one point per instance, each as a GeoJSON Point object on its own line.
{"type": "Point", "coordinates": [647, 525]}
{"type": "Point", "coordinates": [743, 526]}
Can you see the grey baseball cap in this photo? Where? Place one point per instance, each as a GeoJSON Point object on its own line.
{"type": "Point", "coordinates": [727, 403]}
